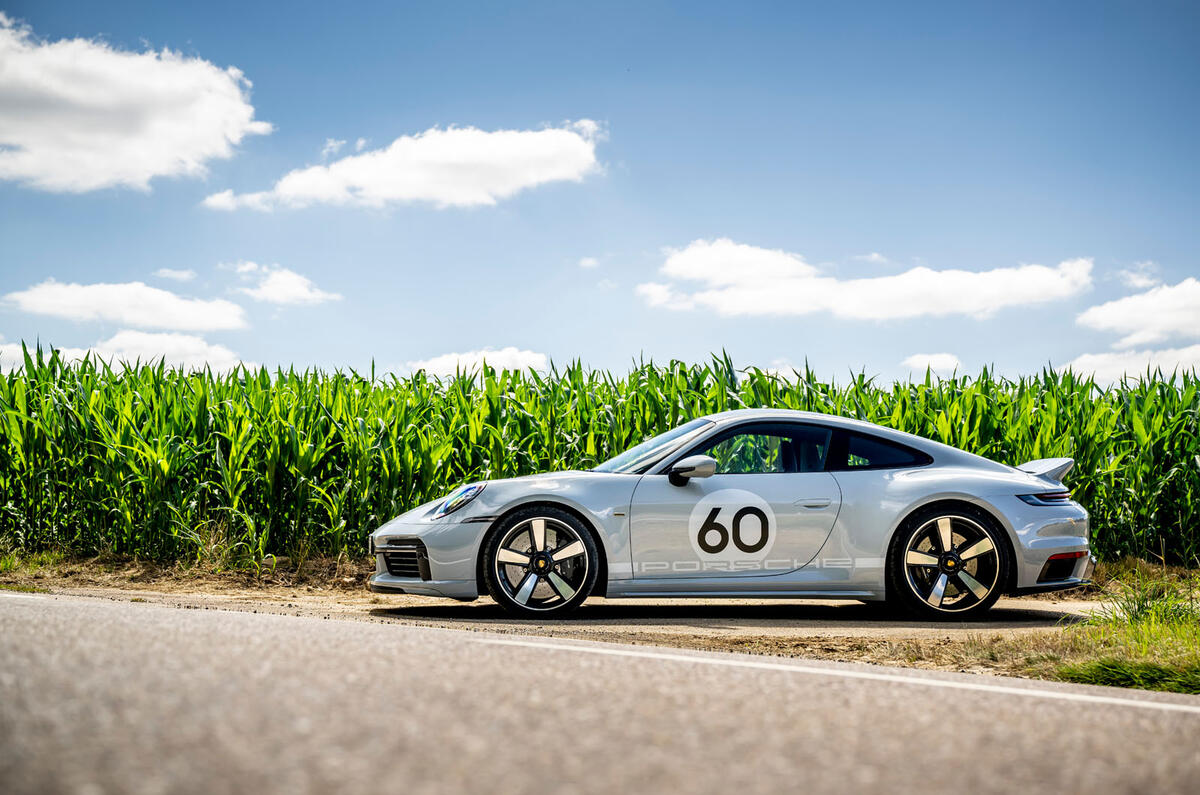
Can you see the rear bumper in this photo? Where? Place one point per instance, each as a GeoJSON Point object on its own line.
{"type": "Point", "coordinates": [1082, 576]}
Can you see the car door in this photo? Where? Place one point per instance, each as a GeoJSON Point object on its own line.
{"type": "Point", "coordinates": [767, 510]}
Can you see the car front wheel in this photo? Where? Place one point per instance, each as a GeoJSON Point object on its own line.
{"type": "Point", "coordinates": [540, 562]}
{"type": "Point", "coordinates": [947, 563]}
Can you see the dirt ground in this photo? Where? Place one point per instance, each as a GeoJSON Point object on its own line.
{"type": "Point", "coordinates": [1004, 643]}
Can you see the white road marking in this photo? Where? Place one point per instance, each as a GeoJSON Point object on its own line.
{"type": "Point", "coordinates": [14, 595]}
{"type": "Point", "coordinates": [735, 662]}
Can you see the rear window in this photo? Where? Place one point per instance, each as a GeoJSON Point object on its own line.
{"type": "Point", "coordinates": [860, 451]}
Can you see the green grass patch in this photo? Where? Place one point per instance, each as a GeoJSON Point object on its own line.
{"type": "Point", "coordinates": [29, 561]}
{"type": "Point", "coordinates": [1146, 636]}
{"type": "Point", "coordinates": [23, 588]}
{"type": "Point", "coordinates": [1116, 672]}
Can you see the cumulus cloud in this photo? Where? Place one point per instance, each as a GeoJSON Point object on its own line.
{"type": "Point", "coordinates": [589, 262]}
{"type": "Point", "coordinates": [276, 285]}
{"type": "Point", "coordinates": [79, 115]}
{"type": "Point", "coordinates": [1165, 312]}
{"type": "Point", "coordinates": [1111, 366]}
{"type": "Point", "coordinates": [128, 347]}
{"type": "Point", "coordinates": [452, 167]}
{"type": "Point", "coordinates": [940, 363]}
{"type": "Point", "coordinates": [360, 144]}
{"type": "Point", "coordinates": [509, 358]}
{"type": "Point", "coordinates": [332, 147]}
{"type": "Point", "coordinates": [1141, 276]}
{"type": "Point", "coordinates": [739, 279]}
{"type": "Point", "coordinates": [128, 304]}
{"type": "Point", "coordinates": [175, 275]}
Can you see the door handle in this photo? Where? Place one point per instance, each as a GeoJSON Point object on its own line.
{"type": "Point", "coordinates": [814, 502]}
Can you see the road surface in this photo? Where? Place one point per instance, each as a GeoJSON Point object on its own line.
{"type": "Point", "coordinates": [99, 696]}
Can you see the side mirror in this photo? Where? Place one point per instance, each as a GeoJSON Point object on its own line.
{"type": "Point", "coordinates": [694, 466]}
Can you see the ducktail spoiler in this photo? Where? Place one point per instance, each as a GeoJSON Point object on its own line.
{"type": "Point", "coordinates": [1049, 468]}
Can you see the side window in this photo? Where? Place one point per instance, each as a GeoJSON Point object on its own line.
{"type": "Point", "coordinates": [869, 452]}
{"type": "Point", "coordinates": [761, 451]}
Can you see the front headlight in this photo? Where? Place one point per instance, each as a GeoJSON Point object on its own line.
{"type": "Point", "coordinates": [457, 499]}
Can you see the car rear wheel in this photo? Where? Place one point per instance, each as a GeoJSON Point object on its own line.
{"type": "Point", "coordinates": [947, 563]}
{"type": "Point", "coordinates": [540, 562]}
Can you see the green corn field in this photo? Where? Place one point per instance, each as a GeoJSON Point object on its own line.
{"type": "Point", "coordinates": [231, 468]}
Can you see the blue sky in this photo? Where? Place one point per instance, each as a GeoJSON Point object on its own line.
{"type": "Point", "coordinates": [851, 184]}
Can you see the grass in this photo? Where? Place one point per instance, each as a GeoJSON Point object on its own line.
{"type": "Point", "coordinates": [17, 561]}
{"type": "Point", "coordinates": [22, 587]}
{"type": "Point", "coordinates": [1147, 636]}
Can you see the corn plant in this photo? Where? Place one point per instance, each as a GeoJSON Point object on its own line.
{"type": "Point", "coordinates": [150, 461]}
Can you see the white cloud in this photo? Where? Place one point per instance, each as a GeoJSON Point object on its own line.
{"type": "Point", "coordinates": [739, 279]}
{"type": "Point", "coordinates": [589, 262]}
{"type": "Point", "coordinates": [175, 275]}
{"type": "Point", "coordinates": [657, 294]}
{"type": "Point", "coordinates": [127, 347]}
{"type": "Point", "coordinates": [278, 285]}
{"type": "Point", "coordinates": [940, 363]}
{"type": "Point", "coordinates": [452, 167]}
{"type": "Point", "coordinates": [1141, 276]}
{"type": "Point", "coordinates": [332, 147]}
{"type": "Point", "coordinates": [1169, 311]}
{"type": "Point", "coordinates": [1111, 366]}
{"type": "Point", "coordinates": [128, 304]}
{"type": "Point", "coordinates": [78, 115]}
{"type": "Point", "coordinates": [606, 284]}
{"type": "Point", "coordinates": [875, 258]}
{"type": "Point", "coordinates": [509, 358]}
{"type": "Point", "coordinates": [360, 144]}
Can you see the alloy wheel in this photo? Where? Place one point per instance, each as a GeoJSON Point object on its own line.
{"type": "Point", "coordinates": [541, 563]}
{"type": "Point", "coordinates": [951, 563]}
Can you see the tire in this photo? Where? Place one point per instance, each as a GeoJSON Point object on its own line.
{"type": "Point", "coordinates": [928, 581]}
{"type": "Point", "coordinates": [545, 582]}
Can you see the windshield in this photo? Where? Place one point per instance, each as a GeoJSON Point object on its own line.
{"type": "Point", "coordinates": [638, 458]}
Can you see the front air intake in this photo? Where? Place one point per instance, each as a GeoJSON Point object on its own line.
{"type": "Point", "coordinates": [406, 558]}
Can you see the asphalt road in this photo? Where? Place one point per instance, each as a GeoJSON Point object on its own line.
{"type": "Point", "coordinates": [99, 696]}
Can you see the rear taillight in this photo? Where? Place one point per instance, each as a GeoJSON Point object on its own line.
{"type": "Point", "coordinates": [1046, 498]}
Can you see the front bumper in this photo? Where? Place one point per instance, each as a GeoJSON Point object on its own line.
{"type": "Point", "coordinates": [427, 558]}
{"type": "Point", "coordinates": [462, 590]}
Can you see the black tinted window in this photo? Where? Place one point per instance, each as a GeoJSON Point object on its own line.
{"type": "Point", "coordinates": [869, 452]}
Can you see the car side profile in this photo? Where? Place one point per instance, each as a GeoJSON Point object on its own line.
{"type": "Point", "coordinates": [751, 503]}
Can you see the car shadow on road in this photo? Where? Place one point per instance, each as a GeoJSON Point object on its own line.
{"type": "Point", "coordinates": [709, 614]}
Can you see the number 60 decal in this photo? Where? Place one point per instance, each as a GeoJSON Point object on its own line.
{"type": "Point", "coordinates": [734, 526]}
{"type": "Point", "coordinates": [711, 525]}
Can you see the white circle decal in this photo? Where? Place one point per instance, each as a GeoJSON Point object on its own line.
{"type": "Point", "coordinates": [732, 525]}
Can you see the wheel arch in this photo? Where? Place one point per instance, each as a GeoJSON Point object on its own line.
{"type": "Point", "coordinates": [601, 586]}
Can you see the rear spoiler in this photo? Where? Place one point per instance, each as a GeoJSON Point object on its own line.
{"type": "Point", "coordinates": [1050, 468]}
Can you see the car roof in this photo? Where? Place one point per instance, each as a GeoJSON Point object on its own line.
{"type": "Point", "coordinates": [943, 454]}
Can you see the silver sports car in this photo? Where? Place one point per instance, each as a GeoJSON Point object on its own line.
{"type": "Point", "coordinates": [751, 503]}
